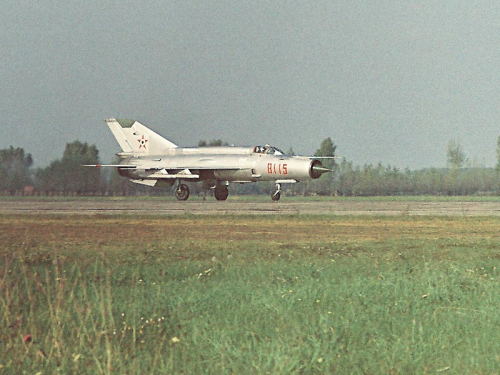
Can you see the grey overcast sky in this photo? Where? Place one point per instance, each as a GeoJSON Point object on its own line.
{"type": "Point", "coordinates": [388, 81]}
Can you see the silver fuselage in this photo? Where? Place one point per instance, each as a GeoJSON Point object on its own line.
{"type": "Point", "coordinates": [241, 164]}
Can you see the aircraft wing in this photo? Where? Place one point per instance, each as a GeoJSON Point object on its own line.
{"type": "Point", "coordinates": [127, 166]}
{"type": "Point", "coordinates": [160, 173]}
{"type": "Point", "coordinates": [111, 165]}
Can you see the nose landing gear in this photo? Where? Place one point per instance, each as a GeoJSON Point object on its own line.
{"type": "Point", "coordinates": [182, 192]}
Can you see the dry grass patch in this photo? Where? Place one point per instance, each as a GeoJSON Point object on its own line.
{"type": "Point", "coordinates": [81, 229]}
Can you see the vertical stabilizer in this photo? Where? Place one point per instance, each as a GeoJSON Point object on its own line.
{"type": "Point", "coordinates": [134, 137]}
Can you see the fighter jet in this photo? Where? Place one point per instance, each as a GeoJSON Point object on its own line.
{"type": "Point", "coordinates": [149, 159]}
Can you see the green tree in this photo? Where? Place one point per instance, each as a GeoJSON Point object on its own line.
{"type": "Point", "coordinates": [68, 175]}
{"type": "Point", "coordinates": [327, 149]}
{"type": "Point", "coordinates": [347, 178]}
{"type": "Point", "coordinates": [455, 154]}
{"type": "Point", "coordinates": [456, 159]}
{"type": "Point", "coordinates": [498, 155]}
{"type": "Point", "coordinates": [15, 169]}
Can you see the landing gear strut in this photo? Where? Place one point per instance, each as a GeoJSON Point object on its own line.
{"type": "Point", "coordinates": [221, 192]}
{"type": "Point", "coordinates": [277, 194]}
{"type": "Point", "coordinates": [182, 192]}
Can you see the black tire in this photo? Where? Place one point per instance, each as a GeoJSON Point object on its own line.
{"type": "Point", "coordinates": [182, 192]}
{"type": "Point", "coordinates": [221, 193]}
{"type": "Point", "coordinates": [276, 196]}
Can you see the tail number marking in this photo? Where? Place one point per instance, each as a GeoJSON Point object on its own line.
{"type": "Point", "coordinates": [277, 168]}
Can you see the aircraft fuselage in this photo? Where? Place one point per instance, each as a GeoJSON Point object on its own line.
{"type": "Point", "coordinates": [242, 165]}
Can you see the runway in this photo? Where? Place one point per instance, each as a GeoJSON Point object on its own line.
{"type": "Point", "coordinates": [118, 206]}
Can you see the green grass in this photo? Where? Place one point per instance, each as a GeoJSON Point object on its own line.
{"type": "Point", "coordinates": [364, 295]}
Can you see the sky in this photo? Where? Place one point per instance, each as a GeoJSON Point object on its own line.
{"type": "Point", "coordinates": [387, 81]}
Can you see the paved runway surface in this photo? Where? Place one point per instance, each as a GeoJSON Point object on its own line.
{"type": "Point", "coordinates": [233, 207]}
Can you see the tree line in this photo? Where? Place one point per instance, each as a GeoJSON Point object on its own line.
{"type": "Point", "coordinates": [67, 176]}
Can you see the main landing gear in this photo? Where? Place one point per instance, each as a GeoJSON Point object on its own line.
{"type": "Point", "coordinates": [277, 194]}
{"type": "Point", "coordinates": [221, 192]}
{"type": "Point", "coordinates": [182, 192]}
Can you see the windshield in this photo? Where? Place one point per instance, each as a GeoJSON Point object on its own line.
{"type": "Point", "coordinates": [270, 150]}
{"type": "Point", "coordinates": [274, 151]}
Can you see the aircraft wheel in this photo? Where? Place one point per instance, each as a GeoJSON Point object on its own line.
{"type": "Point", "coordinates": [182, 192]}
{"type": "Point", "coordinates": [276, 196]}
{"type": "Point", "coordinates": [221, 193]}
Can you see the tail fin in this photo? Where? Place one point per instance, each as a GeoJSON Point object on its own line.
{"type": "Point", "coordinates": [135, 138]}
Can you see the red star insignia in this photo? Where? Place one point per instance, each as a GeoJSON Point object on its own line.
{"type": "Point", "coordinates": [142, 142]}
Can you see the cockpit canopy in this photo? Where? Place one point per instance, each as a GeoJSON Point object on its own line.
{"type": "Point", "coordinates": [269, 150]}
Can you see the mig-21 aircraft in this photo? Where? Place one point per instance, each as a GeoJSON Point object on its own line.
{"type": "Point", "coordinates": [149, 159]}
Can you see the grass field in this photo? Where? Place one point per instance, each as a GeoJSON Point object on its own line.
{"type": "Point", "coordinates": [249, 294]}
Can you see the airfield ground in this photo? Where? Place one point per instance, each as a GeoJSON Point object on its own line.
{"type": "Point", "coordinates": [261, 206]}
{"type": "Point", "coordinates": [150, 286]}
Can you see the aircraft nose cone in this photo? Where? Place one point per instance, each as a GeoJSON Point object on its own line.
{"type": "Point", "coordinates": [317, 169]}
{"type": "Point", "coordinates": [320, 170]}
